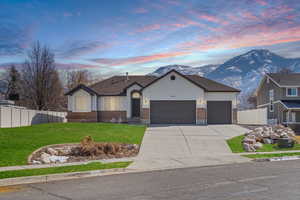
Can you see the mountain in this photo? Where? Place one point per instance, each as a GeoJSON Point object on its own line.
{"type": "Point", "coordinates": [244, 71]}
{"type": "Point", "coordinates": [187, 70]}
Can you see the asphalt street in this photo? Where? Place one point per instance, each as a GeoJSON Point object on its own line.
{"type": "Point", "coordinates": [247, 181]}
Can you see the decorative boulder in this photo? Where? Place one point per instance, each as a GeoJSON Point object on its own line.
{"type": "Point", "coordinates": [248, 147]}
{"type": "Point", "coordinates": [45, 158]}
{"type": "Point", "coordinates": [285, 143]}
{"type": "Point", "coordinates": [258, 145]}
{"type": "Point", "coordinates": [268, 141]}
{"type": "Point", "coordinates": [52, 151]}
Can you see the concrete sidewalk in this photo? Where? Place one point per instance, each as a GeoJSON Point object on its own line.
{"type": "Point", "coordinates": [166, 147]}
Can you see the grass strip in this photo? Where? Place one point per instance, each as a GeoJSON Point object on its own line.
{"type": "Point", "coordinates": [64, 169]}
{"type": "Point", "coordinates": [272, 155]}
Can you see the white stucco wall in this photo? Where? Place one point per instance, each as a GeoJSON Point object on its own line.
{"type": "Point", "coordinates": [81, 93]}
{"type": "Point", "coordinates": [222, 96]}
{"type": "Point", "coordinates": [178, 89]}
{"type": "Point", "coordinates": [112, 103]}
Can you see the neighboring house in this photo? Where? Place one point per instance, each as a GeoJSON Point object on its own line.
{"type": "Point", "coordinates": [280, 93]}
{"type": "Point", "coordinates": [173, 98]}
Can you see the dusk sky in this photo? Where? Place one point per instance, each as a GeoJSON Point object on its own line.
{"type": "Point", "coordinates": [137, 36]}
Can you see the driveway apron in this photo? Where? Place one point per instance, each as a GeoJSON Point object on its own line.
{"type": "Point", "coordinates": [172, 146]}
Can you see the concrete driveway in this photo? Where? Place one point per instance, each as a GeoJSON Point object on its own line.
{"type": "Point", "coordinates": [171, 146]}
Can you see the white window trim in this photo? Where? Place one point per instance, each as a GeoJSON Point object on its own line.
{"type": "Point", "coordinates": [287, 94]}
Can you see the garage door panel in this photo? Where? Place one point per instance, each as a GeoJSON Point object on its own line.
{"type": "Point", "coordinates": [173, 112]}
{"type": "Point", "coordinates": [219, 112]}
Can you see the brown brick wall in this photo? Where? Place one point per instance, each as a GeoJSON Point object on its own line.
{"type": "Point", "coordinates": [112, 116]}
{"type": "Point", "coordinates": [234, 116]}
{"type": "Point", "coordinates": [201, 115]}
{"type": "Point", "coordinates": [82, 116]}
{"type": "Point", "coordinates": [145, 115]}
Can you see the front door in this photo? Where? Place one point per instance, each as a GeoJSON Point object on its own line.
{"type": "Point", "coordinates": [135, 107]}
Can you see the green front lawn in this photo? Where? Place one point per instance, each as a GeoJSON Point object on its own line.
{"type": "Point", "coordinates": [16, 144]}
{"type": "Point", "coordinates": [64, 169]}
{"type": "Point", "coordinates": [236, 146]}
{"type": "Point", "coordinates": [271, 155]}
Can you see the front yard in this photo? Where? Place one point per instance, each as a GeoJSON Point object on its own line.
{"type": "Point", "coordinates": [16, 144]}
{"type": "Point", "coordinates": [236, 146]}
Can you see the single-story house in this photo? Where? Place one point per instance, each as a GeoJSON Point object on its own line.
{"type": "Point", "coordinates": [173, 98]}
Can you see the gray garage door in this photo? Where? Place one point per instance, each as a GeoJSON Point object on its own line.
{"type": "Point", "coordinates": [173, 112]}
{"type": "Point", "coordinates": [219, 112]}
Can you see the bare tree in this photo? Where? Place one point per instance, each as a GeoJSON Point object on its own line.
{"type": "Point", "coordinates": [75, 78]}
{"type": "Point", "coordinates": [41, 86]}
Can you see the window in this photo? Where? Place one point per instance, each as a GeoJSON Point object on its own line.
{"type": "Point", "coordinates": [293, 117]}
{"type": "Point", "coordinates": [173, 78]}
{"type": "Point", "coordinates": [292, 92]}
{"type": "Point", "coordinates": [271, 95]}
{"type": "Point", "coordinates": [271, 107]}
{"type": "Point", "coordinates": [136, 95]}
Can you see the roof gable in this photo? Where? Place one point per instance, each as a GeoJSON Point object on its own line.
{"type": "Point", "coordinates": [171, 71]}
{"type": "Point", "coordinates": [81, 87]}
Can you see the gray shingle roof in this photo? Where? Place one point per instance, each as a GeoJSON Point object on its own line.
{"type": "Point", "coordinates": [117, 85]}
{"type": "Point", "coordinates": [292, 79]}
{"type": "Point", "coordinates": [291, 103]}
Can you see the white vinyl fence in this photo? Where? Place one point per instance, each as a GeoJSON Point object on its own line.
{"type": "Point", "coordinates": [253, 117]}
{"type": "Point", "coordinates": [15, 117]}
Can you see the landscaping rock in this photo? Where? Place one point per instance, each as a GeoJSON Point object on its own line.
{"type": "Point", "coordinates": [258, 145]}
{"type": "Point", "coordinates": [248, 147]}
{"type": "Point", "coordinates": [87, 150]}
{"type": "Point", "coordinates": [52, 151]}
{"type": "Point", "coordinates": [268, 141]}
{"type": "Point", "coordinates": [45, 158]}
{"type": "Point", "coordinates": [59, 159]}
{"type": "Point", "coordinates": [255, 139]}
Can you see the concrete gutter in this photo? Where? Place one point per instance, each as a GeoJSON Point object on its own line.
{"type": "Point", "coordinates": [269, 152]}
{"type": "Point", "coordinates": [59, 177]}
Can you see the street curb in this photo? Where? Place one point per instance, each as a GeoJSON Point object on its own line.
{"type": "Point", "coordinates": [59, 177]}
{"type": "Point", "coordinates": [85, 174]}
{"type": "Point", "coordinates": [274, 159]}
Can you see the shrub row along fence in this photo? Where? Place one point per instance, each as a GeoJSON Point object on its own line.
{"type": "Point", "coordinates": [253, 117]}
{"type": "Point", "coordinates": [16, 117]}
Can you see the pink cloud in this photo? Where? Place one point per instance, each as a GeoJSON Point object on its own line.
{"type": "Point", "coordinates": [140, 10]}
{"type": "Point", "coordinates": [68, 14]}
{"type": "Point", "coordinates": [249, 37]}
{"type": "Point", "coordinates": [147, 28]}
{"type": "Point", "coordinates": [137, 59]}
{"type": "Point", "coordinates": [261, 2]}
{"type": "Point", "coordinates": [276, 11]}
{"type": "Point", "coordinates": [75, 66]}
{"type": "Point", "coordinates": [213, 19]}
{"type": "Point", "coordinates": [249, 15]}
